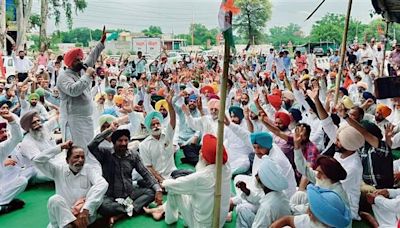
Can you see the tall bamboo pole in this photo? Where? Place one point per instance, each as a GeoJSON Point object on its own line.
{"type": "Point", "coordinates": [343, 50]}
{"type": "Point", "coordinates": [220, 137]}
{"type": "Point", "coordinates": [382, 67]}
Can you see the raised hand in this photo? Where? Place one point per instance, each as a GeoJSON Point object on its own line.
{"type": "Point", "coordinates": [10, 162]}
{"type": "Point", "coordinates": [199, 104]}
{"type": "Point", "coordinates": [246, 113]}
{"type": "Point", "coordinates": [66, 145]}
{"type": "Point", "coordinates": [389, 131]}
{"type": "Point", "coordinates": [104, 35]}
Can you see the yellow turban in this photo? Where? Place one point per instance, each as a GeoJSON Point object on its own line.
{"type": "Point", "coordinates": [118, 99]}
{"type": "Point", "coordinates": [160, 103]}
{"type": "Point", "coordinates": [98, 96]}
{"type": "Point", "coordinates": [215, 86]}
{"type": "Point", "coordinates": [384, 110]}
{"type": "Point", "coordinates": [346, 101]}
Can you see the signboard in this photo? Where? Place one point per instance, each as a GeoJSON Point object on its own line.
{"type": "Point", "coordinates": [150, 46]}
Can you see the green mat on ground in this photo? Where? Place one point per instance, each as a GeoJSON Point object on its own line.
{"type": "Point", "coordinates": [34, 214]}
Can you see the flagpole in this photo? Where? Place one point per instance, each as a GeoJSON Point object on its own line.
{"type": "Point", "coordinates": [343, 50]}
{"type": "Point", "coordinates": [220, 135]}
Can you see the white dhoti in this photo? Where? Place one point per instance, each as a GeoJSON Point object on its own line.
{"type": "Point", "coordinates": [12, 188]}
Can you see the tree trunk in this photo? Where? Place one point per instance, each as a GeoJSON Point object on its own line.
{"type": "Point", "coordinates": [248, 26]}
{"type": "Point", "coordinates": [44, 10]}
{"type": "Point", "coordinates": [23, 13]}
{"type": "Point", "coordinates": [2, 24]}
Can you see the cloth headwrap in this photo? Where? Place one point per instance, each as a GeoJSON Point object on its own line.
{"type": "Point", "coordinates": [118, 99]}
{"type": "Point", "coordinates": [110, 91]}
{"type": "Point", "coordinates": [40, 92]}
{"type": "Point", "coordinates": [284, 117]}
{"type": "Point", "coordinates": [288, 95]}
{"type": "Point", "coordinates": [384, 110]}
{"type": "Point", "coordinates": [213, 96]}
{"type": "Point", "coordinates": [119, 133]}
{"type": "Point", "coordinates": [209, 149]}
{"type": "Point", "coordinates": [263, 139]}
{"type": "Point", "coordinates": [372, 128]}
{"type": "Point", "coordinates": [296, 114]}
{"type": "Point", "coordinates": [215, 87]}
{"type": "Point", "coordinates": [192, 97]}
{"type": "Point", "coordinates": [271, 176]}
{"type": "Point", "coordinates": [331, 168]}
{"type": "Point", "coordinates": [160, 103]}
{"type": "Point", "coordinates": [207, 89]}
{"type": "Point", "coordinates": [362, 84]}
{"type": "Point", "coordinates": [350, 138]}
{"type": "Point", "coordinates": [213, 103]}
{"type": "Point", "coordinates": [328, 207]}
{"type": "Point", "coordinates": [3, 125]}
{"type": "Point", "coordinates": [254, 109]}
{"type": "Point", "coordinates": [98, 96]}
{"type": "Point", "coordinates": [275, 101]}
{"type": "Point", "coordinates": [6, 102]}
{"type": "Point", "coordinates": [71, 55]}
{"type": "Point", "coordinates": [237, 111]}
{"type": "Point", "coordinates": [26, 120]}
{"type": "Point", "coordinates": [150, 117]}
{"type": "Point", "coordinates": [347, 102]}
{"type": "Point", "coordinates": [106, 119]}
{"type": "Point", "coordinates": [367, 95]}
{"type": "Point", "coordinates": [344, 91]}
{"type": "Point", "coordinates": [110, 111]}
{"type": "Point", "coordinates": [33, 96]}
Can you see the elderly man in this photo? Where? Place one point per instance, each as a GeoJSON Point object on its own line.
{"type": "Point", "coordinates": [207, 124]}
{"type": "Point", "coordinates": [38, 138]}
{"type": "Point", "coordinates": [192, 196]}
{"type": "Point", "coordinates": [79, 189]}
{"type": "Point", "coordinates": [76, 101]}
{"type": "Point", "coordinates": [117, 165]}
{"type": "Point", "coordinates": [33, 105]}
{"type": "Point", "coordinates": [10, 187]}
{"type": "Point", "coordinates": [273, 204]}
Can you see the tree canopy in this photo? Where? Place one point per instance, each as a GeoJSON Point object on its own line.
{"type": "Point", "coordinates": [153, 31]}
{"type": "Point", "coordinates": [279, 35]}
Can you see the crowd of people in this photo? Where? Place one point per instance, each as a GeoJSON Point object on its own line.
{"type": "Point", "coordinates": [107, 133]}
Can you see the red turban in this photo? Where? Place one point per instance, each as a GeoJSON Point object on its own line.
{"type": "Point", "coordinates": [275, 101]}
{"type": "Point", "coordinates": [209, 149]}
{"type": "Point", "coordinates": [71, 55]}
{"type": "Point", "coordinates": [207, 89]}
{"type": "Point", "coordinates": [284, 117]}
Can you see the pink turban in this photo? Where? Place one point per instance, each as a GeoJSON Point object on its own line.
{"type": "Point", "coordinates": [284, 117]}
{"type": "Point", "coordinates": [213, 103]}
{"type": "Point", "coordinates": [71, 55]}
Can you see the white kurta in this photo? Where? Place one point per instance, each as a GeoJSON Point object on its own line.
{"type": "Point", "coordinates": [387, 211]}
{"type": "Point", "coordinates": [193, 197]}
{"type": "Point", "coordinates": [87, 184]}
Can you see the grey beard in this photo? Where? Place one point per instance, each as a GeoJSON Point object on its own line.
{"type": "Point", "coordinates": [323, 183]}
{"type": "Point", "coordinates": [38, 135]}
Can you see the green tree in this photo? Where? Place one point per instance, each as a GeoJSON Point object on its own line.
{"type": "Point", "coordinates": [331, 27]}
{"type": "Point", "coordinates": [253, 16]}
{"type": "Point", "coordinates": [202, 34]}
{"type": "Point", "coordinates": [279, 35]}
{"type": "Point", "coordinates": [153, 31]}
{"type": "Point", "coordinates": [69, 6]}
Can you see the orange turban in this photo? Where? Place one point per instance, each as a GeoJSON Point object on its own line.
{"type": "Point", "coordinates": [118, 99]}
{"type": "Point", "coordinates": [209, 149]}
{"type": "Point", "coordinates": [71, 55]}
{"type": "Point", "coordinates": [213, 103]}
{"type": "Point", "coordinates": [284, 117]}
{"type": "Point", "coordinates": [207, 89]}
{"type": "Point", "coordinates": [384, 110]}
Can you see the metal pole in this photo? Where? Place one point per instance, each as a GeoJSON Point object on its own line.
{"type": "Point", "coordinates": [220, 137]}
{"type": "Point", "coordinates": [382, 67]}
{"type": "Point", "coordinates": [343, 50]}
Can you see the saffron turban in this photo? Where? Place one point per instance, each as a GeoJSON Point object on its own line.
{"type": "Point", "coordinates": [284, 117]}
{"type": "Point", "coordinates": [207, 89]}
{"type": "Point", "coordinates": [71, 55]}
{"type": "Point", "coordinates": [384, 110]}
{"type": "Point", "coordinates": [118, 99]}
{"type": "Point", "coordinates": [209, 149]}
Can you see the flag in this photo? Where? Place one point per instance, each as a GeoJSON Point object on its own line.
{"type": "Point", "coordinates": [226, 11]}
{"type": "Point", "coordinates": [112, 36]}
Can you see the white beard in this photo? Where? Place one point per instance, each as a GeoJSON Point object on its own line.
{"type": "Point", "coordinates": [39, 135]}
{"type": "Point", "coordinates": [323, 183]}
{"type": "Point", "coordinates": [316, 224]}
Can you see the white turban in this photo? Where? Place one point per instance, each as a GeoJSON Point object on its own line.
{"type": "Point", "coordinates": [271, 175]}
{"type": "Point", "coordinates": [350, 138]}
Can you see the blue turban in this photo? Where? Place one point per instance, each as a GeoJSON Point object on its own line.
{"type": "Point", "coordinates": [254, 109]}
{"type": "Point", "coordinates": [238, 111]}
{"type": "Point", "coordinates": [110, 91]}
{"type": "Point", "coordinates": [263, 139]}
{"type": "Point", "coordinates": [110, 111]}
{"type": "Point", "coordinates": [328, 207]}
{"type": "Point", "coordinates": [368, 95]}
{"type": "Point", "coordinates": [150, 117]}
{"type": "Point", "coordinates": [271, 176]}
{"type": "Point", "coordinates": [192, 97]}
{"type": "Point", "coordinates": [296, 114]}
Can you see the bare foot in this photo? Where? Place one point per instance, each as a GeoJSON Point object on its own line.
{"type": "Point", "coordinates": [369, 218]}
{"type": "Point", "coordinates": [114, 219]}
{"type": "Point", "coordinates": [157, 213]}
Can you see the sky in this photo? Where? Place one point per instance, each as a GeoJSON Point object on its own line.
{"type": "Point", "coordinates": [175, 16]}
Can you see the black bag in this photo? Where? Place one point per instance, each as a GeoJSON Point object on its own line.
{"type": "Point", "coordinates": [387, 87]}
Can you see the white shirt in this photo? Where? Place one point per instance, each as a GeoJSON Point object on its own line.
{"type": "Point", "coordinates": [273, 206]}
{"type": "Point", "coordinates": [22, 65]}
{"type": "Point", "coordinates": [6, 147]}
{"type": "Point", "coordinates": [351, 185]}
{"type": "Point", "coordinates": [87, 184]}
{"type": "Point", "coordinates": [159, 153]}
{"type": "Point", "coordinates": [26, 107]}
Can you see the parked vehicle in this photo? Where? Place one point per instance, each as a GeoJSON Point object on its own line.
{"type": "Point", "coordinates": [318, 51]}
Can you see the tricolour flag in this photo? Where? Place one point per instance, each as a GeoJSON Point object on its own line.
{"type": "Point", "coordinates": [226, 11]}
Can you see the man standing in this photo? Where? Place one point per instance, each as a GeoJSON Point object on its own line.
{"type": "Point", "coordinates": [79, 188]}
{"type": "Point", "coordinates": [76, 101]}
{"type": "Point", "coordinates": [22, 65]}
{"type": "Point", "coordinates": [117, 165]}
{"type": "Point", "coordinates": [10, 188]}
